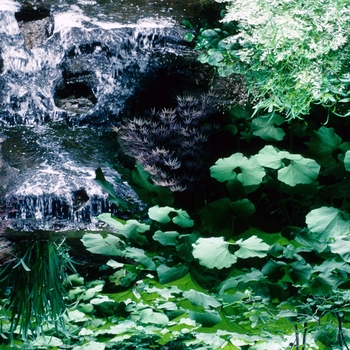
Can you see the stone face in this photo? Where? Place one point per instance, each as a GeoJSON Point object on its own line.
{"type": "Point", "coordinates": [35, 23]}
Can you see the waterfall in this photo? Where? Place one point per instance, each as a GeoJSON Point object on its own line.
{"type": "Point", "coordinates": [65, 79]}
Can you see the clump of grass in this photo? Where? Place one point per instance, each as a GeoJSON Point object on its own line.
{"type": "Point", "coordinates": [34, 282]}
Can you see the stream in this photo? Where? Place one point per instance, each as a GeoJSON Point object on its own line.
{"type": "Point", "coordinates": [69, 70]}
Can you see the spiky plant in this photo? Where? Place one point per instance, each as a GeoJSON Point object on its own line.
{"type": "Point", "coordinates": [34, 280]}
{"type": "Point", "coordinates": [171, 144]}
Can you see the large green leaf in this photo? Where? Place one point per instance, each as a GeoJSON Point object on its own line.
{"type": "Point", "coordinates": [168, 274]}
{"type": "Point", "coordinates": [270, 157]}
{"type": "Point", "coordinates": [161, 214]}
{"type": "Point", "coordinates": [150, 316]}
{"type": "Point", "coordinates": [248, 171]}
{"type": "Point", "coordinates": [213, 252]}
{"type": "Point", "coordinates": [293, 169]}
{"type": "Point", "coordinates": [300, 171]}
{"type": "Point", "coordinates": [201, 299]}
{"type": "Point", "coordinates": [106, 245]}
{"type": "Point", "coordinates": [251, 247]}
{"type": "Point", "coordinates": [265, 127]}
{"type": "Point", "coordinates": [166, 238]}
{"type": "Point", "coordinates": [328, 223]}
{"type": "Point", "coordinates": [140, 256]}
{"type": "Point", "coordinates": [341, 247]}
{"type": "Point", "coordinates": [323, 144]}
{"type": "Point", "coordinates": [347, 160]}
{"type": "Point", "coordinates": [130, 229]}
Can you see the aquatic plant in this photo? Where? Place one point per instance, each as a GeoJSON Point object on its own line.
{"type": "Point", "coordinates": [33, 280]}
{"type": "Point", "coordinates": [172, 144]}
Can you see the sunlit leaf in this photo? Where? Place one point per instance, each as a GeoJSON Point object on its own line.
{"type": "Point", "coordinates": [202, 299]}
{"type": "Point", "coordinates": [122, 327]}
{"type": "Point", "coordinates": [140, 256]}
{"type": "Point", "coordinates": [347, 161]}
{"type": "Point", "coordinates": [114, 264]}
{"type": "Point", "coordinates": [161, 214]}
{"type": "Point", "coordinates": [166, 238]}
{"type": "Point", "coordinates": [105, 245]}
{"type": "Point", "coordinates": [341, 247]}
{"type": "Point", "coordinates": [328, 223]}
{"type": "Point", "coordinates": [213, 252]}
{"type": "Point", "coordinates": [149, 316]}
{"type": "Point", "coordinates": [251, 247]}
{"type": "Point", "coordinates": [270, 157]}
{"type": "Point", "coordinates": [46, 341]}
{"type": "Point", "coordinates": [293, 169]}
{"type": "Point", "coordinates": [248, 171]}
{"type": "Point", "coordinates": [299, 171]}
{"type": "Point", "coordinates": [130, 229]}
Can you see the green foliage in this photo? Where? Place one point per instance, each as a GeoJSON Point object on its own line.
{"type": "Point", "coordinates": [34, 281]}
{"type": "Point", "coordinates": [263, 262]}
{"type": "Point", "coordinates": [292, 54]}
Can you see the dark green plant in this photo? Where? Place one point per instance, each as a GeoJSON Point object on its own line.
{"type": "Point", "coordinates": [34, 281]}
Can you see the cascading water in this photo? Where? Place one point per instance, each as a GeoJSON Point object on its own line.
{"type": "Point", "coordinates": [66, 75]}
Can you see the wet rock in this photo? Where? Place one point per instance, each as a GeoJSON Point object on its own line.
{"type": "Point", "coordinates": [76, 98]}
{"type": "Point", "coordinates": [35, 23]}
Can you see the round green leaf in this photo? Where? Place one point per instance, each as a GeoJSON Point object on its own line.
{"type": "Point", "coordinates": [248, 171]}
{"type": "Point", "coordinates": [98, 244]}
{"type": "Point", "coordinates": [213, 252]}
{"type": "Point", "coordinates": [328, 223]}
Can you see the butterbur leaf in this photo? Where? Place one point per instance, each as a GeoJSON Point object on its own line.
{"type": "Point", "coordinates": [161, 214]}
{"type": "Point", "coordinates": [293, 169]}
{"type": "Point", "coordinates": [201, 299]}
{"type": "Point", "coordinates": [300, 171]}
{"type": "Point", "coordinates": [251, 247]}
{"type": "Point", "coordinates": [265, 127]}
{"type": "Point", "coordinates": [213, 252]}
{"type": "Point", "coordinates": [248, 171]}
{"type": "Point", "coordinates": [270, 157]}
{"type": "Point", "coordinates": [131, 229]}
{"type": "Point", "coordinates": [168, 274]}
{"type": "Point", "coordinates": [149, 316]}
{"type": "Point", "coordinates": [98, 244]}
{"type": "Point", "coordinates": [166, 238]}
{"type": "Point", "coordinates": [347, 161]}
{"type": "Point", "coordinates": [341, 247]}
{"type": "Point", "coordinates": [114, 264]}
{"type": "Point", "coordinates": [323, 144]}
{"type": "Point", "coordinates": [140, 256]}
{"type": "Point", "coordinates": [328, 223]}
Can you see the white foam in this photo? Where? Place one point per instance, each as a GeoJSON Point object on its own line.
{"type": "Point", "coordinates": [8, 5]}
